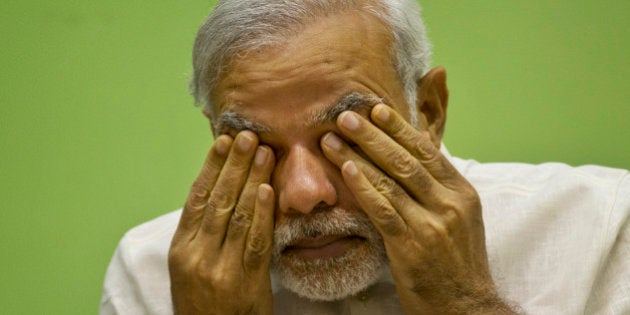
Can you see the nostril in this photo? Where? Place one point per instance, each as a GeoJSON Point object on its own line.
{"type": "Point", "coordinates": [307, 194]}
{"type": "Point", "coordinates": [321, 207]}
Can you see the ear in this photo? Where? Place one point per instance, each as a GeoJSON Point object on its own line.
{"type": "Point", "coordinates": [431, 104]}
{"type": "Point", "coordinates": [206, 113]}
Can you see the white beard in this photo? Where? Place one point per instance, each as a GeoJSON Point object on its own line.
{"type": "Point", "coordinates": [332, 278]}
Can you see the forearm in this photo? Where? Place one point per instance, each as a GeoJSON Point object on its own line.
{"type": "Point", "coordinates": [492, 305]}
{"type": "Point", "coordinates": [450, 296]}
{"type": "Point", "coordinates": [473, 306]}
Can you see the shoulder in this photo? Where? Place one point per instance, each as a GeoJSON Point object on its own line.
{"type": "Point", "coordinates": [149, 240]}
{"type": "Point", "coordinates": [155, 229]}
{"type": "Point", "coordinates": [596, 196]}
{"type": "Point", "coordinates": [137, 279]}
{"type": "Point", "coordinates": [555, 187]}
{"type": "Point", "coordinates": [546, 221]}
{"type": "Point", "coordinates": [529, 177]}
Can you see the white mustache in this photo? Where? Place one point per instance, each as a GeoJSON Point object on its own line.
{"type": "Point", "coordinates": [324, 221]}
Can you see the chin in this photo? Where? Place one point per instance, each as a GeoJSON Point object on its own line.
{"type": "Point", "coordinates": [332, 278]}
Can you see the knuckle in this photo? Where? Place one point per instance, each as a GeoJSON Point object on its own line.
{"type": "Point", "coordinates": [388, 187]}
{"type": "Point", "coordinates": [463, 202]}
{"type": "Point", "coordinates": [404, 164]}
{"type": "Point", "coordinates": [182, 263]}
{"type": "Point", "coordinates": [211, 167]}
{"type": "Point", "coordinates": [175, 256]}
{"type": "Point", "coordinates": [198, 187]}
{"type": "Point", "coordinates": [382, 211]}
{"type": "Point", "coordinates": [258, 244]}
{"type": "Point", "coordinates": [198, 193]}
{"type": "Point", "coordinates": [214, 222]}
{"type": "Point", "coordinates": [426, 150]}
{"type": "Point", "coordinates": [392, 228]}
{"type": "Point", "coordinates": [239, 223]}
{"type": "Point", "coordinates": [257, 249]}
{"type": "Point", "coordinates": [235, 231]}
{"type": "Point", "coordinates": [220, 200]}
{"type": "Point", "coordinates": [472, 197]}
{"type": "Point", "coordinates": [383, 184]}
{"type": "Point", "coordinates": [242, 216]}
{"type": "Point", "coordinates": [452, 218]}
{"type": "Point", "coordinates": [387, 218]}
{"type": "Point", "coordinates": [210, 272]}
{"type": "Point", "coordinates": [194, 204]}
{"type": "Point", "coordinates": [418, 283]}
{"type": "Point", "coordinates": [424, 186]}
{"type": "Point", "coordinates": [434, 233]}
{"type": "Point", "coordinates": [212, 276]}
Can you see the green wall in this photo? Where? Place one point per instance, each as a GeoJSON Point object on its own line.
{"type": "Point", "coordinates": [98, 133]}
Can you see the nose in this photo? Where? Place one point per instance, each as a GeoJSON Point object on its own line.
{"type": "Point", "coordinates": [303, 181]}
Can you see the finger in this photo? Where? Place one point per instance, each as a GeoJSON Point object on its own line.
{"type": "Point", "coordinates": [418, 143]}
{"type": "Point", "coordinates": [378, 208]}
{"type": "Point", "coordinates": [227, 189]}
{"type": "Point", "coordinates": [260, 238]}
{"type": "Point", "coordinates": [244, 213]}
{"type": "Point", "coordinates": [194, 208]}
{"type": "Point", "coordinates": [338, 152]}
{"type": "Point", "coordinates": [390, 156]}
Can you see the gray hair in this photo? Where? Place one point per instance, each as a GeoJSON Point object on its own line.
{"type": "Point", "coordinates": [237, 26]}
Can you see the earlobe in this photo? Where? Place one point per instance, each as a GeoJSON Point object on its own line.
{"type": "Point", "coordinates": [432, 102]}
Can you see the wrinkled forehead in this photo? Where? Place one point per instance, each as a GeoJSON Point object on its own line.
{"type": "Point", "coordinates": [356, 39]}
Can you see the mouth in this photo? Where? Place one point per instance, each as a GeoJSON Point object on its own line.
{"type": "Point", "coordinates": [322, 247]}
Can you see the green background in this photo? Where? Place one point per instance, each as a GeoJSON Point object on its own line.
{"type": "Point", "coordinates": [98, 133]}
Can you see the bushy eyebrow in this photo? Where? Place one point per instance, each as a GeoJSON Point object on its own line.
{"type": "Point", "coordinates": [354, 101]}
{"type": "Point", "coordinates": [237, 122]}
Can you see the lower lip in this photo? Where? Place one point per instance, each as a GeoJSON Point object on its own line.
{"type": "Point", "coordinates": [330, 250]}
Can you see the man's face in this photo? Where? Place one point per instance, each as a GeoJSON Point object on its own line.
{"type": "Point", "coordinates": [325, 247]}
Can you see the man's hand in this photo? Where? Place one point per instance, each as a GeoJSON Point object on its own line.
{"type": "Point", "coordinates": [219, 257]}
{"type": "Point", "coordinates": [428, 214]}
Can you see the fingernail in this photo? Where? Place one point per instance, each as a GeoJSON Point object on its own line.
{"type": "Point", "coordinates": [245, 142]}
{"type": "Point", "coordinates": [382, 113]}
{"type": "Point", "coordinates": [263, 192]}
{"type": "Point", "coordinates": [331, 140]}
{"type": "Point", "coordinates": [222, 146]}
{"type": "Point", "coordinates": [350, 168]}
{"type": "Point", "coordinates": [261, 156]}
{"type": "Point", "coordinates": [349, 121]}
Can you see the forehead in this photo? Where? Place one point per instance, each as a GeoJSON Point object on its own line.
{"type": "Point", "coordinates": [330, 58]}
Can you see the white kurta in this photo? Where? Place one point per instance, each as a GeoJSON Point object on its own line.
{"type": "Point", "coordinates": [558, 241]}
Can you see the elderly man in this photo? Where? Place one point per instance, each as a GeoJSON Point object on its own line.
{"type": "Point", "coordinates": [328, 190]}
